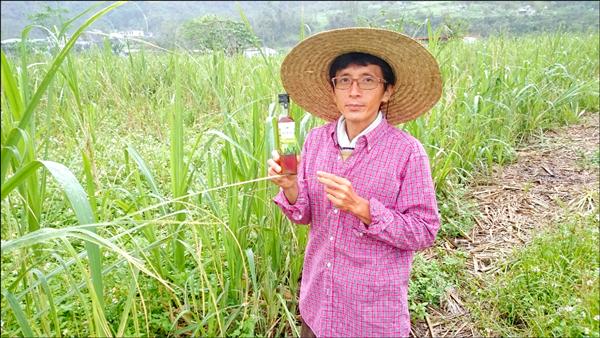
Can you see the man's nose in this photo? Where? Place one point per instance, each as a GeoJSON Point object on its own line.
{"type": "Point", "coordinates": [354, 90]}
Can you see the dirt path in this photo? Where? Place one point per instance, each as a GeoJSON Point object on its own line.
{"type": "Point", "coordinates": [554, 174]}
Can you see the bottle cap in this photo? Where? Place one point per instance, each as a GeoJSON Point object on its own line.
{"type": "Point", "coordinates": [284, 98]}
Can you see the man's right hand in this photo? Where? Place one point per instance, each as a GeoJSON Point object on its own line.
{"type": "Point", "coordinates": [288, 183]}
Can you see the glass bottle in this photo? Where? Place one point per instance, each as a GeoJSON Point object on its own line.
{"type": "Point", "coordinates": [287, 145]}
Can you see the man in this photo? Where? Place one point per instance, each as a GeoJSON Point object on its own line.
{"type": "Point", "coordinates": [363, 185]}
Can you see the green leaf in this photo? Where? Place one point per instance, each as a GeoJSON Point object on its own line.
{"type": "Point", "coordinates": [10, 89]}
{"type": "Point", "coordinates": [130, 298]}
{"type": "Point", "coordinates": [143, 169]}
{"type": "Point", "coordinates": [75, 192]}
{"type": "Point", "coordinates": [79, 202]}
{"type": "Point", "coordinates": [18, 311]}
{"type": "Point", "coordinates": [19, 177]}
{"type": "Point", "coordinates": [233, 143]}
{"type": "Point", "coordinates": [35, 100]}
{"type": "Point", "coordinates": [44, 283]}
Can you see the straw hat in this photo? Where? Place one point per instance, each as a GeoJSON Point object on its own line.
{"type": "Point", "coordinates": [305, 71]}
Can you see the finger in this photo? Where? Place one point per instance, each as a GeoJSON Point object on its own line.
{"type": "Point", "coordinates": [334, 193]}
{"type": "Point", "coordinates": [334, 178]}
{"type": "Point", "coordinates": [272, 164]}
{"type": "Point", "coordinates": [328, 182]}
{"type": "Point", "coordinates": [334, 185]}
{"type": "Point", "coordinates": [324, 174]}
{"type": "Point", "coordinates": [275, 154]}
{"type": "Point", "coordinates": [335, 201]}
{"type": "Point", "coordinates": [272, 172]}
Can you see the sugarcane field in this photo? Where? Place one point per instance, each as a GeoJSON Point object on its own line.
{"type": "Point", "coordinates": [300, 169]}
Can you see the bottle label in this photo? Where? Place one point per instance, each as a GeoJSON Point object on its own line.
{"type": "Point", "coordinates": [287, 137]}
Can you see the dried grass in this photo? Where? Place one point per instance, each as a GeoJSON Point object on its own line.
{"type": "Point", "coordinates": [549, 179]}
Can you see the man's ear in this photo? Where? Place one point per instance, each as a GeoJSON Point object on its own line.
{"type": "Point", "coordinates": [387, 94]}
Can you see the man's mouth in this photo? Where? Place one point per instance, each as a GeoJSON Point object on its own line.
{"type": "Point", "coordinates": [354, 107]}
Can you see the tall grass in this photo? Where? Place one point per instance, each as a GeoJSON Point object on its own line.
{"type": "Point", "coordinates": [19, 152]}
{"type": "Point", "coordinates": [154, 135]}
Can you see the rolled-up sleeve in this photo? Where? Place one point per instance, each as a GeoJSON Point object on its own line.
{"type": "Point", "coordinates": [298, 212]}
{"type": "Point", "coordinates": [414, 221]}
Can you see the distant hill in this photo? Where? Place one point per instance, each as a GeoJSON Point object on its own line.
{"type": "Point", "coordinates": [278, 23]}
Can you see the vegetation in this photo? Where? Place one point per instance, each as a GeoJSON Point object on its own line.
{"type": "Point", "coordinates": [276, 23]}
{"type": "Point", "coordinates": [158, 237]}
{"type": "Point", "coordinates": [431, 279]}
{"type": "Point", "coordinates": [550, 288]}
{"type": "Point", "coordinates": [211, 33]}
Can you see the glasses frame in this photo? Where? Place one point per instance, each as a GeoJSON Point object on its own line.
{"type": "Point", "coordinates": [379, 80]}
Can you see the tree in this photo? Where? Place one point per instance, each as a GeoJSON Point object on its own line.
{"type": "Point", "coordinates": [213, 33]}
{"type": "Point", "coordinates": [49, 16]}
{"type": "Point", "coordinates": [340, 20]}
{"type": "Point", "coordinates": [279, 23]}
{"type": "Point", "coordinates": [457, 28]}
{"type": "Point", "coordinates": [392, 21]}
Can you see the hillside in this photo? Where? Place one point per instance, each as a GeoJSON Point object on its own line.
{"type": "Point", "coordinates": [278, 23]}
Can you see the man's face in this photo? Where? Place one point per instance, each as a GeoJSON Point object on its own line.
{"type": "Point", "coordinates": [360, 106]}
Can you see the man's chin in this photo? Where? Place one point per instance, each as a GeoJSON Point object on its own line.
{"type": "Point", "coordinates": [354, 115]}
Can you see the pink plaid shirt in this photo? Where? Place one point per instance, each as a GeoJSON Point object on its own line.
{"type": "Point", "coordinates": [355, 278]}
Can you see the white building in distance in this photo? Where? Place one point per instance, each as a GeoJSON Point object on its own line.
{"type": "Point", "coordinates": [252, 52]}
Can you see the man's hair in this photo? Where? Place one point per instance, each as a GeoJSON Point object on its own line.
{"type": "Point", "coordinates": [362, 59]}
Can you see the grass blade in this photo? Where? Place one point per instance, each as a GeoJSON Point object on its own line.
{"type": "Point", "coordinates": [18, 311]}
{"type": "Point", "coordinates": [79, 202]}
{"type": "Point", "coordinates": [44, 283]}
{"type": "Point", "coordinates": [35, 100]}
{"type": "Point", "coordinates": [128, 305]}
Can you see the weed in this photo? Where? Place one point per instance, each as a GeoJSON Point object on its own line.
{"type": "Point", "coordinates": [550, 288]}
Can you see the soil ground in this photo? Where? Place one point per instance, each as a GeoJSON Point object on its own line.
{"type": "Point", "coordinates": [554, 174]}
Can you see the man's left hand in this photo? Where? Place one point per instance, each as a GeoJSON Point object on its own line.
{"type": "Point", "coordinates": [341, 194]}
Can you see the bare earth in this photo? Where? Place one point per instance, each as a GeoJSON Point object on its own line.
{"type": "Point", "coordinates": [554, 174]}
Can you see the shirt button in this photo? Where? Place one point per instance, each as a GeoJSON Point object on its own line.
{"type": "Point", "coordinates": [328, 264]}
{"type": "Point", "coordinates": [339, 157]}
{"type": "Point", "coordinates": [331, 238]}
{"type": "Point", "coordinates": [360, 234]}
{"type": "Point", "coordinates": [335, 211]}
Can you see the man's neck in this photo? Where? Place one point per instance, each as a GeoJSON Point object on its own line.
{"type": "Point", "coordinates": [353, 129]}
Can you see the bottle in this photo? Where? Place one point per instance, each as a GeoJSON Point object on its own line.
{"type": "Point", "coordinates": [287, 146]}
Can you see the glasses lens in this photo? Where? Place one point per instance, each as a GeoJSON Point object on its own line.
{"type": "Point", "coordinates": [365, 82]}
{"type": "Point", "coordinates": [343, 82]}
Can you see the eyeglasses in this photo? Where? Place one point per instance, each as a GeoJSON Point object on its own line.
{"type": "Point", "coordinates": [365, 83]}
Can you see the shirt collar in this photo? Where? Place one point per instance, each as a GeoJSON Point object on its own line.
{"type": "Point", "coordinates": [343, 139]}
{"type": "Point", "coordinates": [370, 137]}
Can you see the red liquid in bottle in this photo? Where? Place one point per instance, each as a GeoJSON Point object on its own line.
{"type": "Point", "coordinates": [289, 164]}
{"type": "Point", "coordinates": [288, 160]}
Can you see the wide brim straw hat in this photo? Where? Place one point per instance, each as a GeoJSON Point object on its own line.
{"type": "Point", "coordinates": [305, 71]}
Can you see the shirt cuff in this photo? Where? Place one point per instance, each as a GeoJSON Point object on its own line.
{"type": "Point", "coordinates": [381, 217]}
{"type": "Point", "coordinates": [294, 211]}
